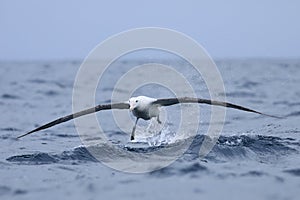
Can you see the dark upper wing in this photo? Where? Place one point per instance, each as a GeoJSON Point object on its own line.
{"type": "Point", "coordinates": [172, 101]}
{"type": "Point", "coordinates": [79, 114]}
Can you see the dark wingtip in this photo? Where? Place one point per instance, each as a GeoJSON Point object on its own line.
{"type": "Point", "coordinates": [273, 116]}
{"type": "Point", "coordinates": [20, 136]}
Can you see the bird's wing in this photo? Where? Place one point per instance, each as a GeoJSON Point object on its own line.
{"type": "Point", "coordinates": [172, 101]}
{"type": "Point", "coordinates": [79, 114]}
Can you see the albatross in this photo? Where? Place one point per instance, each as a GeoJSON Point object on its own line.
{"type": "Point", "coordinates": [145, 108]}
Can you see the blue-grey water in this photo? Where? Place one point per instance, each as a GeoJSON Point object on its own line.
{"type": "Point", "coordinates": [255, 157]}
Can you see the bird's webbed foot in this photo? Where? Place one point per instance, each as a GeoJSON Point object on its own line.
{"type": "Point", "coordinates": [132, 137]}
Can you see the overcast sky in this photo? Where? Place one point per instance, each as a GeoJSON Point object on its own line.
{"type": "Point", "coordinates": [69, 29]}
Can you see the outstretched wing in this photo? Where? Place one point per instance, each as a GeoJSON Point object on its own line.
{"type": "Point", "coordinates": [79, 114]}
{"type": "Point", "coordinates": [172, 101]}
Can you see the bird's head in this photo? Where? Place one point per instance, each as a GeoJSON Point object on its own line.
{"type": "Point", "coordinates": [134, 103]}
{"type": "Point", "coordinates": [140, 103]}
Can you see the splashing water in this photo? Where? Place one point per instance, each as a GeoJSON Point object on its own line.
{"type": "Point", "coordinates": [164, 137]}
{"type": "Point", "coordinates": [156, 134]}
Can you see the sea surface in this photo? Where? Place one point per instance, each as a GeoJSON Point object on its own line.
{"type": "Point", "coordinates": [255, 157]}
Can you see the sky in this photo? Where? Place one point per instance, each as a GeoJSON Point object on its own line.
{"type": "Point", "coordinates": [70, 29]}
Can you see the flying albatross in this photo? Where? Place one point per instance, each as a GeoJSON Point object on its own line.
{"type": "Point", "coordinates": [143, 107]}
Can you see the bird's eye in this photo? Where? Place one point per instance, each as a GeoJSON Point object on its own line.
{"type": "Point", "coordinates": [136, 101]}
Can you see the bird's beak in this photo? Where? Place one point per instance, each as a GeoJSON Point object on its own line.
{"type": "Point", "coordinates": [131, 108]}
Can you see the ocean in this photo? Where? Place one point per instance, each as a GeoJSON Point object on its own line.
{"type": "Point", "coordinates": [255, 157]}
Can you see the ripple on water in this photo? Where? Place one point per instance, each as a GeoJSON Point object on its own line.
{"type": "Point", "coordinates": [10, 96]}
{"type": "Point", "coordinates": [295, 172]}
{"type": "Point", "coordinates": [241, 94]}
{"type": "Point", "coordinates": [4, 190]}
{"type": "Point", "coordinates": [293, 114]}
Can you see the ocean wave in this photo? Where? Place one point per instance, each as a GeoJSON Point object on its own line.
{"type": "Point", "coordinates": [33, 159]}
{"type": "Point", "coordinates": [257, 147]}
